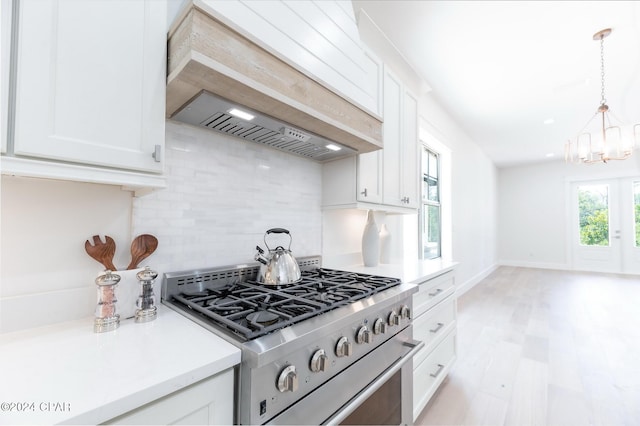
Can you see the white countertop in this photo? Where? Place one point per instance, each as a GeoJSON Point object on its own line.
{"type": "Point", "coordinates": [409, 271]}
{"type": "Point", "coordinates": [66, 373]}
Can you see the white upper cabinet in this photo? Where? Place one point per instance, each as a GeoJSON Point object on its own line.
{"type": "Point", "coordinates": [388, 179]}
{"type": "Point", "coordinates": [90, 83]}
{"type": "Point", "coordinates": [410, 152]}
{"type": "Point", "coordinates": [319, 37]}
{"type": "Point", "coordinates": [400, 162]}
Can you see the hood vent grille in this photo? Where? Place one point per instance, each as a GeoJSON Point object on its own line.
{"type": "Point", "coordinates": [226, 123]}
{"type": "Point", "coordinates": [212, 112]}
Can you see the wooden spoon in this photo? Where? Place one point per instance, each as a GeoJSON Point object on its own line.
{"type": "Point", "coordinates": [141, 247]}
{"type": "Point", "coordinates": [102, 252]}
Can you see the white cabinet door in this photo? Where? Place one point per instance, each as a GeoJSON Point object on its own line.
{"type": "Point", "coordinates": [410, 152]}
{"type": "Point", "coordinates": [91, 82]}
{"type": "Point", "coordinates": [208, 402]}
{"type": "Point", "coordinates": [5, 48]}
{"type": "Point", "coordinates": [400, 165]}
{"type": "Point", "coordinates": [392, 136]}
{"type": "Point", "coordinates": [369, 177]}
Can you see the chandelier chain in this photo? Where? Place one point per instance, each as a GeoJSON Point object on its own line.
{"type": "Point", "coordinates": [603, 101]}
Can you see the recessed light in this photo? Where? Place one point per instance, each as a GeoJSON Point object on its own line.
{"type": "Point", "coordinates": [549, 121]}
{"type": "Point", "coordinates": [333, 147]}
{"type": "Point", "coordinates": [550, 154]}
{"type": "Point", "coordinates": [241, 114]}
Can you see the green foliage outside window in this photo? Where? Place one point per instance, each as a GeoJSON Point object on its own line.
{"type": "Point", "coordinates": [594, 217]}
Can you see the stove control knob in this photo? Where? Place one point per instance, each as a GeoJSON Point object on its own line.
{"type": "Point", "coordinates": [343, 347]}
{"type": "Point", "coordinates": [363, 335]}
{"type": "Point", "coordinates": [405, 312]}
{"type": "Point", "coordinates": [394, 319]}
{"type": "Point", "coordinates": [379, 326]}
{"type": "Point", "coordinates": [288, 380]}
{"type": "Point", "coordinates": [319, 361]}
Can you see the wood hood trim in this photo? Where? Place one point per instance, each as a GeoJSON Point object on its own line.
{"type": "Point", "coordinates": [205, 54]}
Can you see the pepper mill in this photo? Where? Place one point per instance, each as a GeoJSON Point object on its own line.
{"type": "Point", "coordinates": [147, 310]}
{"type": "Point", "coordinates": [106, 318]}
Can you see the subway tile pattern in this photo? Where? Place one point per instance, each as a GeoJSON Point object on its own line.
{"type": "Point", "coordinates": [222, 194]}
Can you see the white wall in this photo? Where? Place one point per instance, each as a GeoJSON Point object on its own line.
{"type": "Point", "coordinates": [474, 195]}
{"type": "Point", "coordinates": [45, 274]}
{"type": "Point", "coordinates": [533, 209]}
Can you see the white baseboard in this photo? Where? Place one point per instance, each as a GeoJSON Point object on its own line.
{"type": "Point", "coordinates": [470, 283]}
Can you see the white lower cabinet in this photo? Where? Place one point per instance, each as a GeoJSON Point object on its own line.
{"type": "Point", "coordinates": [207, 402]}
{"type": "Point", "coordinates": [434, 323]}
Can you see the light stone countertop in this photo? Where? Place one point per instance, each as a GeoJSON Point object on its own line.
{"type": "Point", "coordinates": [408, 271]}
{"type": "Point", "coordinates": [66, 373]}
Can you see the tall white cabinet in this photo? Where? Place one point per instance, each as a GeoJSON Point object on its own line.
{"type": "Point", "coordinates": [400, 160]}
{"type": "Point", "coordinates": [387, 179]}
{"type": "Point", "coordinates": [89, 86]}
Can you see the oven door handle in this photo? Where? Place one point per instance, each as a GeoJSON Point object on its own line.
{"type": "Point", "coordinates": [381, 380]}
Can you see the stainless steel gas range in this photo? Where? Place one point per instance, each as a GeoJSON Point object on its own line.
{"type": "Point", "coordinates": [333, 348]}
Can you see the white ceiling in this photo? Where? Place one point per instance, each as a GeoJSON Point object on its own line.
{"type": "Point", "coordinates": [501, 68]}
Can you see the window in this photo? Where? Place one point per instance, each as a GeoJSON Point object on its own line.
{"type": "Point", "coordinates": [430, 212]}
{"type": "Point", "coordinates": [593, 208]}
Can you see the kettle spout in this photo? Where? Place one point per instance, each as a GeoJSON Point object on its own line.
{"type": "Point", "coordinates": [259, 256]}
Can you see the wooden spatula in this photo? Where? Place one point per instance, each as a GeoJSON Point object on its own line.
{"type": "Point", "coordinates": [141, 247]}
{"type": "Point", "coordinates": [102, 252]}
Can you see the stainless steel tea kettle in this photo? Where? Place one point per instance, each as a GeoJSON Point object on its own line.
{"type": "Point", "coordinates": [278, 267]}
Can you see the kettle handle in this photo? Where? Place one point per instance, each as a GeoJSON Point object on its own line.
{"type": "Point", "coordinates": [277, 231]}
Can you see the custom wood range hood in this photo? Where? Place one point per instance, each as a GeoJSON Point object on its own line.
{"type": "Point", "coordinates": [205, 57]}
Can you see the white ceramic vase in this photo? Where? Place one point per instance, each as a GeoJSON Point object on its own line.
{"type": "Point", "coordinates": [370, 241]}
{"type": "Point", "coordinates": [385, 244]}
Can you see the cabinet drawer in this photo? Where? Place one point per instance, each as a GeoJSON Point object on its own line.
{"type": "Point", "coordinates": [432, 291]}
{"type": "Point", "coordinates": [429, 374]}
{"type": "Point", "coordinates": [432, 326]}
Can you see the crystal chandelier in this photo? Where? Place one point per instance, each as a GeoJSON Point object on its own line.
{"type": "Point", "coordinates": [601, 139]}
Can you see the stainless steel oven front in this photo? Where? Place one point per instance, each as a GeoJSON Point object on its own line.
{"type": "Point", "coordinates": [376, 390]}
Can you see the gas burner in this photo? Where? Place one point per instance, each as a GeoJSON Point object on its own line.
{"type": "Point", "coordinates": [260, 319]}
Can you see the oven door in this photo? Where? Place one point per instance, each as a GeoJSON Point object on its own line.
{"type": "Point", "coordinates": [377, 389]}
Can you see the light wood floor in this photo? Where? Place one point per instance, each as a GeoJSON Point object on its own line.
{"type": "Point", "coordinates": [544, 347]}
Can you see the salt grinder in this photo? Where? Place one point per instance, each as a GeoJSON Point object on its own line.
{"type": "Point", "coordinates": [106, 318]}
{"type": "Point", "coordinates": [146, 304]}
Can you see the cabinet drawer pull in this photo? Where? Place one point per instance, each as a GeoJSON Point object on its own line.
{"type": "Point", "coordinates": [439, 326]}
{"type": "Point", "coordinates": [438, 371]}
{"type": "Point", "coordinates": [435, 293]}
{"type": "Point", "coordinates": [157, 153]}
{"type": "Point", "coordinates": [364, 192]}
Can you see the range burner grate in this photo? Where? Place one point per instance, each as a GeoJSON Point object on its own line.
{"type": "Point", "coordinates": [237, 306]}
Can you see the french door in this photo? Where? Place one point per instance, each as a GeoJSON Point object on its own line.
{"type": "Point", "coordinates": [605, 225]}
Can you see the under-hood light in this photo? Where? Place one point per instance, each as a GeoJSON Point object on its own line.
{"type": "Point", "coordinates": [241, 114]}
{"type": "Point", "coordinates": [333, 147]}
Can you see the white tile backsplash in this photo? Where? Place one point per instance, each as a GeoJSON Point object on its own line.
{"type": "Point", "coordinates": [222, 194]}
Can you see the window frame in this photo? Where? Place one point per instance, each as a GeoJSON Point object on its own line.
{"type": "Point", "coordinates": [425, 203]}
